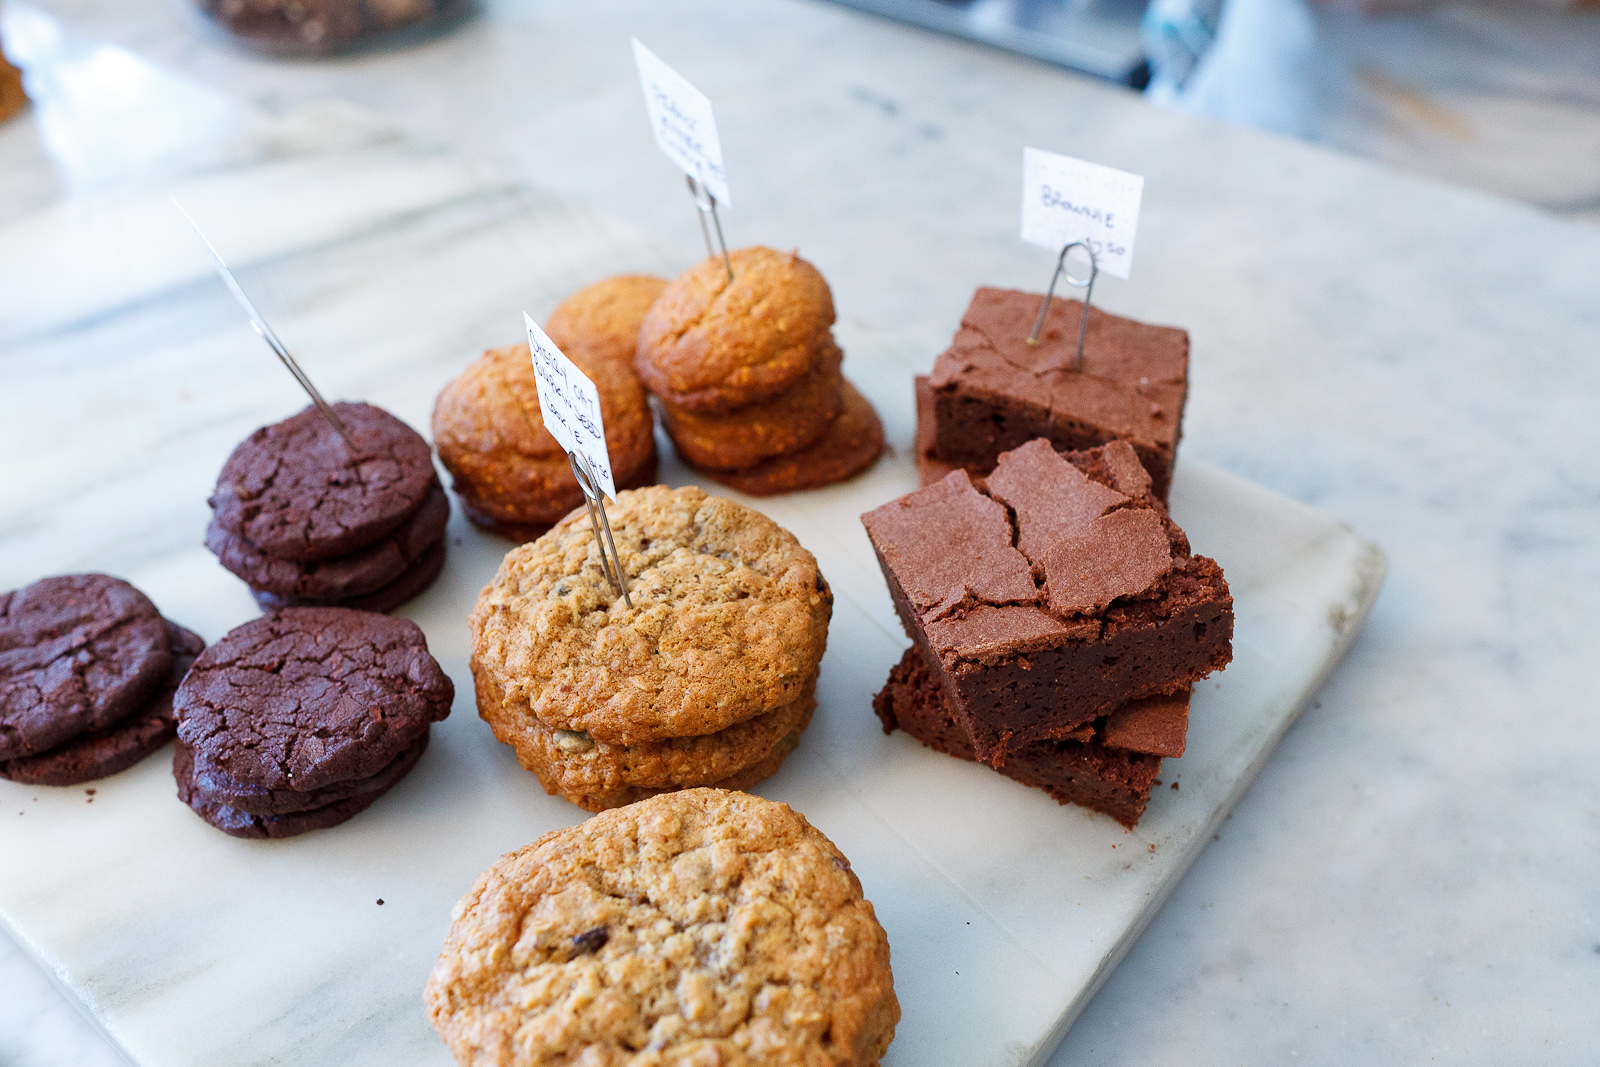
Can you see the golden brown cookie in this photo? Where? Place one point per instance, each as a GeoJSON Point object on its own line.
{"type": "Point", "coordinates": [852, 444]}
{"type": "Point", "coordinates": [709, 345]}
{"type": "Point", "coordinates": [490, 433]}
{"type": "Point", "coordinates": [699, 927]}
{"type": "Point", "coordinates": [604, 318]}
{"type": "Point", "coordinates": [596, 776]}
{"type": "Point", "coordinates": [749, 435]}
{"type": "Point", "coordinates": [12, 98]}
{"type": "Point", "coordinates": [486, 515]}
{"type": "Point", "coordinates": [729, 620]}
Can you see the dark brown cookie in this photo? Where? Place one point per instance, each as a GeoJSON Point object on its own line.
{"type": "Point", "coordinates": [119, 746]}
{"type": "Point", "coordinates": [306, 697]}
{"type": "Point", "coordinates": [417, 578]}
{"type": "Point", "coordinates": [852, 444]}
{"type": "Point", "coordinates": [236, 823]}
{"type": "Point", "coordinates": [365, 570]}
{"type": "Point", "coordinates": [223, 789]}
{"type": "Point", "coordinates": [296, 491]}
{"type": "Point", "coordinates": [77, 653]}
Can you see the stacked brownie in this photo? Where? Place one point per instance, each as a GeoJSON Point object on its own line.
{"type": "Point", "coordinates": [1058, 618]}
{"type": "Point", "coordinates": [992, 391]}
{"type": "Point", "coordinates": [299, 720]}
{"type": "Point", "coordinates": [308, 516]}
{"type": "Point", "coordinates": [749, 376]}
{"type": "Point", "coordinates": [87, 672]}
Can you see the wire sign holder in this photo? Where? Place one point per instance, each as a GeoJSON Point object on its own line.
{"type": "Point", "coordinates": [265, 332]}
{"type": "Point", "coordinates": [686, 132]}
{"type": "Point", "coordinates": [1086, 284]}
{"type": "Point", "coordinates": [570, 405]}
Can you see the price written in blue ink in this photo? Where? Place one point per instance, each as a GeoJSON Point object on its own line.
{"type": "Point", "coordinates": [570, 404]}
{"type": "Point", "coordinates": [1066, 200]}
{"type": "Point", "coordinates": [681, 119]}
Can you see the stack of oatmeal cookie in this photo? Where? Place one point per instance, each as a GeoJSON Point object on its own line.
{"type": "Point", "coordinates": [749, 376]}
{"type": "Point", "coordinates": [708, 679]}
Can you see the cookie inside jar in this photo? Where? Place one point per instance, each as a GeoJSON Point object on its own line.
{"type": "Point", "coordinates": [327, 27]}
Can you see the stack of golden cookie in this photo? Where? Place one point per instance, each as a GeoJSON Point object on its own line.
{"type": "Point", "coordinates": [511, 476]}
{"type": "Point", "coordinates": [12, 98]}
{"type": "Point", "coordinates": [707, 680]}
{"type": "Point", "coordinates": [749, 377]}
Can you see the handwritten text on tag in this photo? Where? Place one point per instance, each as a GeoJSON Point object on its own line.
{"type": "Point", "coordinates": [1066, 200]}
{"type": "Point", "coordinates": [681, 119]}
{"type": "Point", "coordinates": [571, 406]}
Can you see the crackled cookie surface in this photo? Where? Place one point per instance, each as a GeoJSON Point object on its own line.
{"type": "Point", "coordinates": [308, 697]}
{"type": "Point", "coordinates": [729, 619]}
{"type": "Point", "coordinates": [77, 653]}
{"type": "Point", "coordinates": [702, 926]}
{"type": "Point", "coordinates": [296, 490]}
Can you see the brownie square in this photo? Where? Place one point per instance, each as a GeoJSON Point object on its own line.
{"type": "Point", "coordinates": [1091, 771]}
{"type": "Point", "coordinates": [1050, 593]}
{"type": "Point", "coordinates": [993, 391]}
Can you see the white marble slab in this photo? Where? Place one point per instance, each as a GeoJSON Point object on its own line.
{"type": "Point", "coordinates": [387, 270]}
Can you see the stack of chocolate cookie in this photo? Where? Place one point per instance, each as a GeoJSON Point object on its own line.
{"type": "Point", "coordinates": [511, 476]}
{"type": "Point", "coordinates": [708, 679]}
{"type": "Point", "coordinates": [300, 719]}
{"type": "Point", "coordinates": [310, 517]}
{"type": "Point", "coordinates": [87, 672]}
{"type": "Point", "coordinates": [992, 391]}
{"type": "Point", "coordinates": [749, 376]}
{"type": "Point", "coordinates": [1058, 621]}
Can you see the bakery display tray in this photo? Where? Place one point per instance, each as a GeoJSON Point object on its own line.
{"type": "Point", "coordinates": [388, 270]}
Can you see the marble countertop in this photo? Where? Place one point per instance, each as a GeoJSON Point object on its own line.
{"type": "Point", "coordinates": [1416, 873]}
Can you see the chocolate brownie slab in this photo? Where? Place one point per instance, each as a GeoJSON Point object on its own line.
{"type": "Point", "coordinates": [994, 392]}
{"type": "Point", "coordinates": [1090, 772]}
{"type": "Point", "coordinates": [1055, 593]}
{"type": "Point", "coordinates": [77, 653]}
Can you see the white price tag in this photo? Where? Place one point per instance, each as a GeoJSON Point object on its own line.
{"type": "Point", "coordinates": [571, 406]}
{"type": "Point", "coordinates": [1066, 200]}
{"type": "Point", "coordinates": [681, 119]}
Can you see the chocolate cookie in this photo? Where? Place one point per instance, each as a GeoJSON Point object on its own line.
{"type": "Point", "coordinates": [729, 620]}
{"type": "Point", "coordinates": [308, 697]}
{"type": "Point", "coordinates": [236, 823]}
{"type": "Point", "coordinates": [490, 432]}
{"type": "Point", "coordinates": [711, 926]}
{"type": "Point", "coordinates": [739, 439]}
{"type": "Point", "coordinates": [296, 491]}
{"type": "Point", "coordinates": [410, 584]}
{"type": "Point", "coordinates": [709, 344]}
{"type": "Point", "coordinates": [365, 570]}
{"type": "Point", "coordinates": [119, 746]}
{"type": "Point", "coordinates": [604, 318]}
{"type": "Point", "coordinates": [852, 444]}
{"type": "Point", "coordinates": [222, 788]}
{"type": "Point", "coordinates": [596, 775]}
{"type": "Point", "coordinates": [77, 653]}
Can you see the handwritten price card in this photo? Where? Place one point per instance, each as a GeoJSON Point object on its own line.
{"type": "Point", "coordinates": [681, 119]}
{"type": "Point", "coordinates": [571, 406]}
{"type": "Point", "coordinates": [1066, 200]}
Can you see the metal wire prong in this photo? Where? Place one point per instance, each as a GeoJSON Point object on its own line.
{"type": "Point", "coordinates": [264, 331]}
{"type": "Point", "coordinates": [1086, 284]}
{"type": "Point", "coordinates": [610, 565]}
{"type": "Point", "coordinates": [708, 206]}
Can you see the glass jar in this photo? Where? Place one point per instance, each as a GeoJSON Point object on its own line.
{"type": "Point", "coordinates": [327, 27]}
